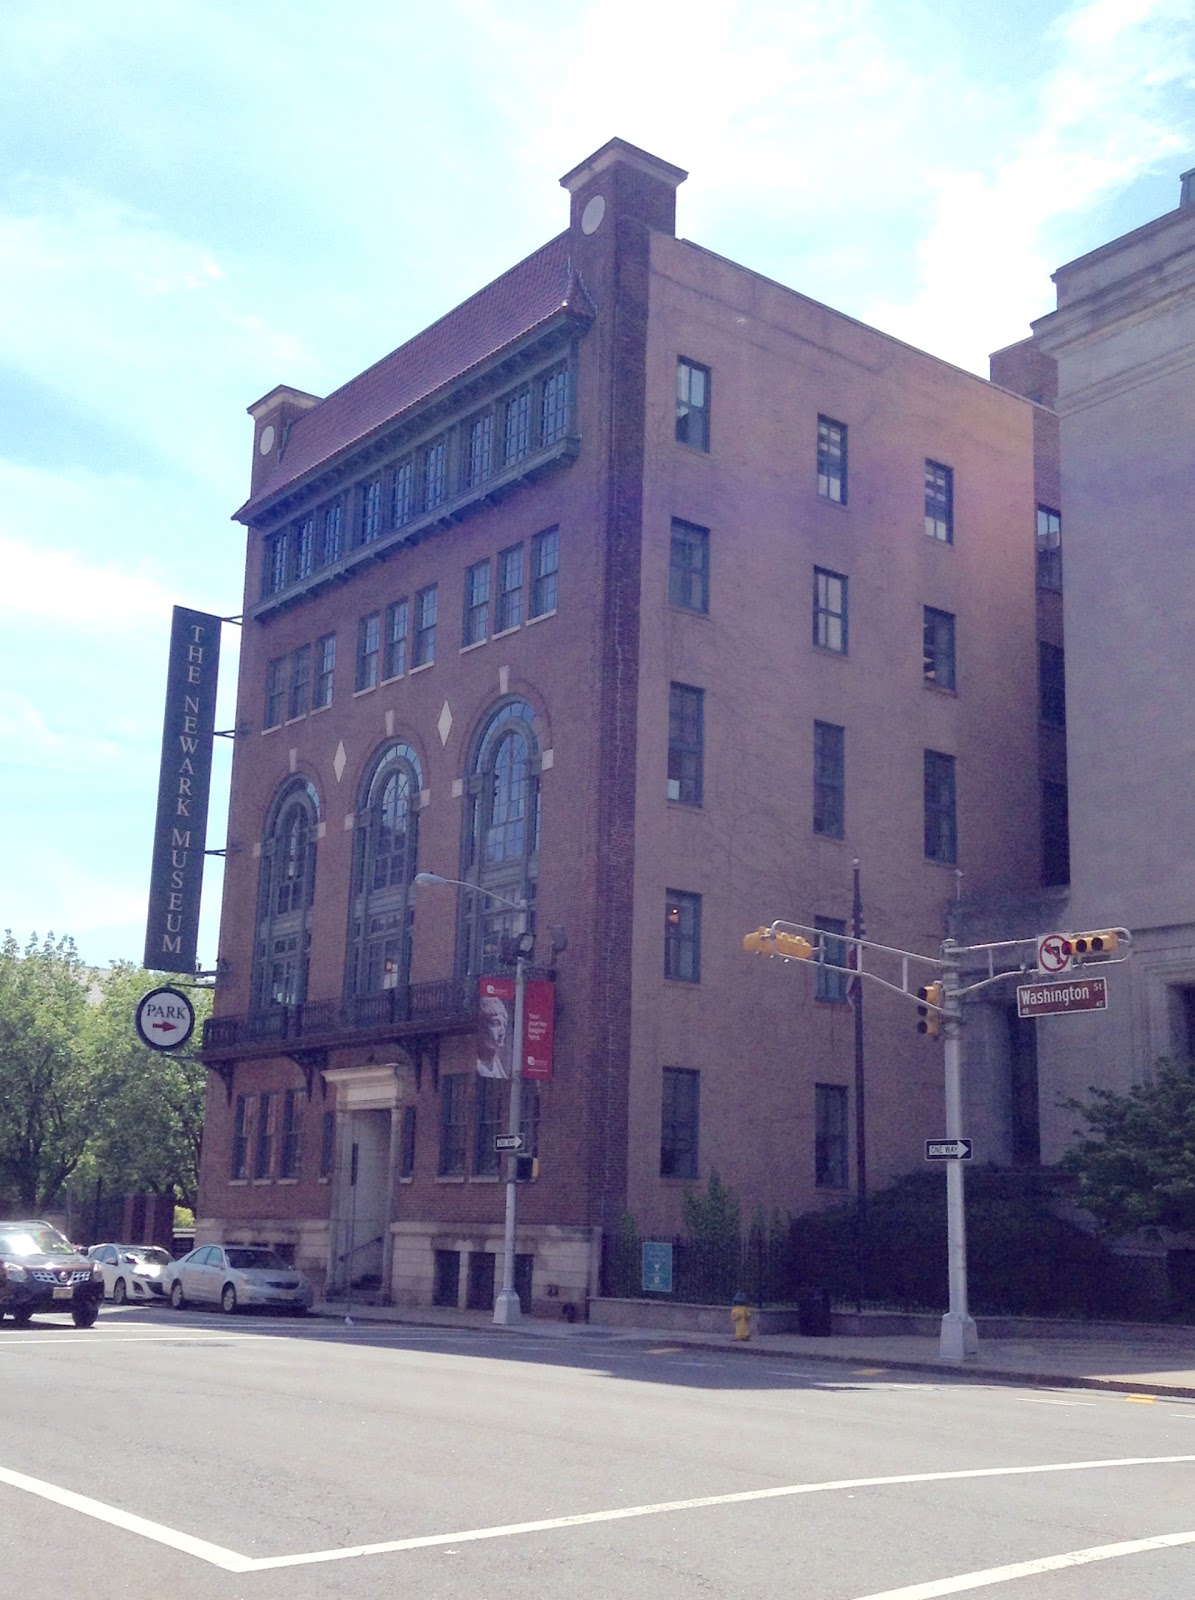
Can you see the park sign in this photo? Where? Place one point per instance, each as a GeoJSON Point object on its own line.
{"type": "Point", "coordinates": [1051, 999]}
{"type": "Point", "coordinates": [184, 784]}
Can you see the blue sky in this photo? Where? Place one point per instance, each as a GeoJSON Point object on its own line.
{"type": "Point", "coordinates": [201, 200]}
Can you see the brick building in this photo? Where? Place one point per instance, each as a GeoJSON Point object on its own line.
{"type": "Point", "coordinates": [651, 593]}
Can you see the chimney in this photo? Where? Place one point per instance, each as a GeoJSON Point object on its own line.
{"type": "Point", "coordinates": [1186, 188]}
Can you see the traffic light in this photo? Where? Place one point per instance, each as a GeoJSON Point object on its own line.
{"type": "Point", "coordinates": [1101, 943]}
{"type": "Point", "coordinates": [526, 1168]}
{"type": "Point", "coordinates": [769, 942]}
{"type": "Point", "coordinates": [930, 1021]}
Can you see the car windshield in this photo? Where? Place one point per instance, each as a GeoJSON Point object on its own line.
{"type": "Point", "coordinates": [244, 1260]}
{"type": "Point", "coordinates": [34, 1240]}
{"type": "Point", "coordinates": [144, 1252]}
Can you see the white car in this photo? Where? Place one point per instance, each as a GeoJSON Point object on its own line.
{"type": "Point", "coordinates": [131, 1271]}
{"type": "Point", "coordinates": [235, 1275]}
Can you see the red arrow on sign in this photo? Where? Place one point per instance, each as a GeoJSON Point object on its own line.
{"type": "Point", "coordinates": [164, 1027]}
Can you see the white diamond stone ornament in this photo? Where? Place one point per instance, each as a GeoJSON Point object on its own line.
{"type": "Point", "coordinates": [339, 761]}
{"type": "Point", "coordinates": [444, 726]}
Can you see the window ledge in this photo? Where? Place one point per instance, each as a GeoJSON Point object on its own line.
{"type": "Point", "coordinates": [937, 688]}
{"type": "Point", "coordinates": [476, 645]}
{"type": "Point", "coordinates": [827, 500]}
{"type": "Point", "coordinates": [485, 1177]}
{"type": "Point", "coordinates": [327, 706]}
{"type": "Point", "coordinates": [505, 633]}
{"type": "Point", "coordinates": [450, 1177]}
{"type": "Point", "coordinates": [238, 1183]}
{"type": "Point", "coordinates": [273, 728]}
{"type": "Point", "coordinates": [286, 1182]}
{"type": "Point", "coordinates": [357, 693]}
{"type": "Point", "coordinates": [422, 667]}
{"type": "Point", "coordinates": [541, 616]}
{"type": "Point", "coordinates": [395, 677]}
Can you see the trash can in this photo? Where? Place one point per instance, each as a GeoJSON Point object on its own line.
{"type": "Point", "coordinates": [813, 1312]}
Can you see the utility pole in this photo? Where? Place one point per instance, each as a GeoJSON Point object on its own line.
{"type": "Point", "coordinates": [959, 1337]}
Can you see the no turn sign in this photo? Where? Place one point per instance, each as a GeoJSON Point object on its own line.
{"type": "Point", "coordinates": [1053, 953]}
{"type": "Point", "coordinates": [164, 1019]}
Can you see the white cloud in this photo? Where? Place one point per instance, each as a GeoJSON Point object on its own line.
{"type": "Point", "coordinates": [1105, 115]}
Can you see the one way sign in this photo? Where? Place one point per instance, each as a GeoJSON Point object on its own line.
{"type": "Point", "coordinates": [948, 1149]}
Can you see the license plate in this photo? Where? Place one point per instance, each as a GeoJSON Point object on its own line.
{"type": "Point", "coordinates": [63, 1294]}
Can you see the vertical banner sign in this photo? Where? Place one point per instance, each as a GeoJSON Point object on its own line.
{"type": "Point", "coordinates": [539, 1015]}
{"type": "Point", "coordinates": [495, 1028]}
{"type": "Point", "coordinates": [184, 784]}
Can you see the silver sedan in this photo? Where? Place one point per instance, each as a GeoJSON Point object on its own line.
{"type": "Point", "coordinates": [236, 1275]}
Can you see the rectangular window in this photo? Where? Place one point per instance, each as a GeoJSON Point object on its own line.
{"type": "Point", "coordinates": [553, 421]}
{"type": "Point", "coordinates": [454, 1088]}
{"type": "Point", "coordinates": [508, 610]}
{"type": "Point", "coordinates": [489, 1097]}
{"type": "Point", "coordinates": [425, 627]}
{"type": "Point", "coordinates": [829, 610]}
{"type": "Point", "coordinates": [682, 936]}
{"type": "Point", "coordinates": [1055, 834]}
{"type": "Point", "coordinates": [939, 501]}
{"type": "Point", "coordinates": [305, 547]}
{"type": "Point", "coordinates": [370, 525]}
{"type": "Point", "coordinates": [545, 567]}
{"type": "Point", "coordinates": [831, 460]}
{"type": "Point", "coordinates": [435, 474]}
{"type": "Point", "coordinates": [679, 1113]}
{"type": "Point", "coordinates": [692, 404]}
{"type": "Point", "coordinates": [829, 779]}
{"type": "Point", "coordinates": [941, 828]}
{"type": "Point", "coordinates": [830, 1168]}
{"type": "Point", "coordinates": [406, 1144]}
{"type": "Point", "coordinates": [263, 1157]}
{"type": "Point", "coordinates": [333, 540]}
{"type": "Point", "coordinates": [477, 603]}
{"type": "Point", "coordinates": [937, 648]}
{"type": "Point", "coordinates": [369, 631]}
{"type": "Point", "coordinates": [1051, 684]}
{"type": "Point", "coordinates": [686, 714]}
{"type": "Point", "coordinates": [516, 432]}
{"type": "Point", "coordinates": [300, 682]}
{"type": "Point", "coordinates": [689, 567]}
{"type": "Point", "coordinates": [325, 668]}
{"type": "Point", "coordinates": [402, 494]}
{"type": "Point", "coordinates": [275, 692]}
{"type": "Point", "coordinates": [479, 459]}
{"type": "Point", "coordinates": [277, 562]}
{"type": "Point", "coordinates": [242, 1127]}
{"type": "Point", "coordinates": [394, 660]}
{"type": "Point", "coordinates": [830, 948]}
{"type": "Point", "coordinates": [327, 1145]}
{"type": "Point", "coordinates": [1049, 548]}
{"type": "Point", "coordinates": [292, 1133]}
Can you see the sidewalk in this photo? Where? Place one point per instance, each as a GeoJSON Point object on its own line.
{"type": "Point", "coordinates": [1149, 1361]}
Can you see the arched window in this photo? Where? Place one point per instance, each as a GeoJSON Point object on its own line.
{"type": "Point", "coordinates": [384, 865]}
{"type": "Point", "coordinates": [501, 844]}
{"type": "Point", "coordinates": [284, 897]}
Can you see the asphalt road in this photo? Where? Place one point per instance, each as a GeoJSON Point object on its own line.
{"type": "Point", "coordinates": [202, 1457]}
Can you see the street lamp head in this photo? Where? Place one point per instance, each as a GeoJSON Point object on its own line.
{"type": "Point", "coordinates": [425, 878]}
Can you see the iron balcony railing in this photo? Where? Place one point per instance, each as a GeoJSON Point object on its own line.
{"type": "Point", "coordinates": [441, 1003]}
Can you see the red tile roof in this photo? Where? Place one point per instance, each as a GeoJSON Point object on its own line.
{"type": "Point", "coordinates": [520, 300]}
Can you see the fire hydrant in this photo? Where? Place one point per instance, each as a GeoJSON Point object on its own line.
{"type": "Point", "coordinates": [740, 1315]}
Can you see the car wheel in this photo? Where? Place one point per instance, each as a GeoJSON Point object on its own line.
{"type": "Point", "coordinates": [177, 1298]}
{"type": "Point", "coordinates": [22, 1318]}
{"type": "Point", "coordinates": [84, 1316]}
{"type": "Point", "coordinates": [228, 1299]}
{"type": "Point", "coordinates": [120, 1292]}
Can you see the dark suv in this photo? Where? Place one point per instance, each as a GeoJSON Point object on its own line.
{"type": "Point", "coordinates": [42, 1271]}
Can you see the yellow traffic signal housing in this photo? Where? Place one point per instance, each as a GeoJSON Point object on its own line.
{"type": "Point", "coordinates": [791, 946]}
{"type": "Point", "coordinates": [526, 1168]}
{"type": "Point", "coordinates": [930, 1021]}
{"type": "Point", "coordinates": [1101, 943]}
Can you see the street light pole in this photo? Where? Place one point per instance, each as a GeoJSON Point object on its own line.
{"type": "Point", "coordinates": [959, 1337]}
{"type": "Point", "coordinates": [507, 1310]}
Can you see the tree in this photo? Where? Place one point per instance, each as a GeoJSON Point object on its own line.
{"type": "Point", "coordinates": [1136, 1169]}
{"type": "Point", "coordinates": [48, 1090]}
{"type": "Point", "coordinates": [149, 1123]}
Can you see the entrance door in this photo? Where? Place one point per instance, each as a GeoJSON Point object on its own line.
{"type": "Point", "coordinates": [364, 1211]}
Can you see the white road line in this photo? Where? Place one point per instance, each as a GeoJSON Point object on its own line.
{"type": "Point", "coordinates": [230, 1561]}
{"type": "Point", "coordinates": [211, 1553]}
{"type": "Point", "coordinates": [968, 1581]}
